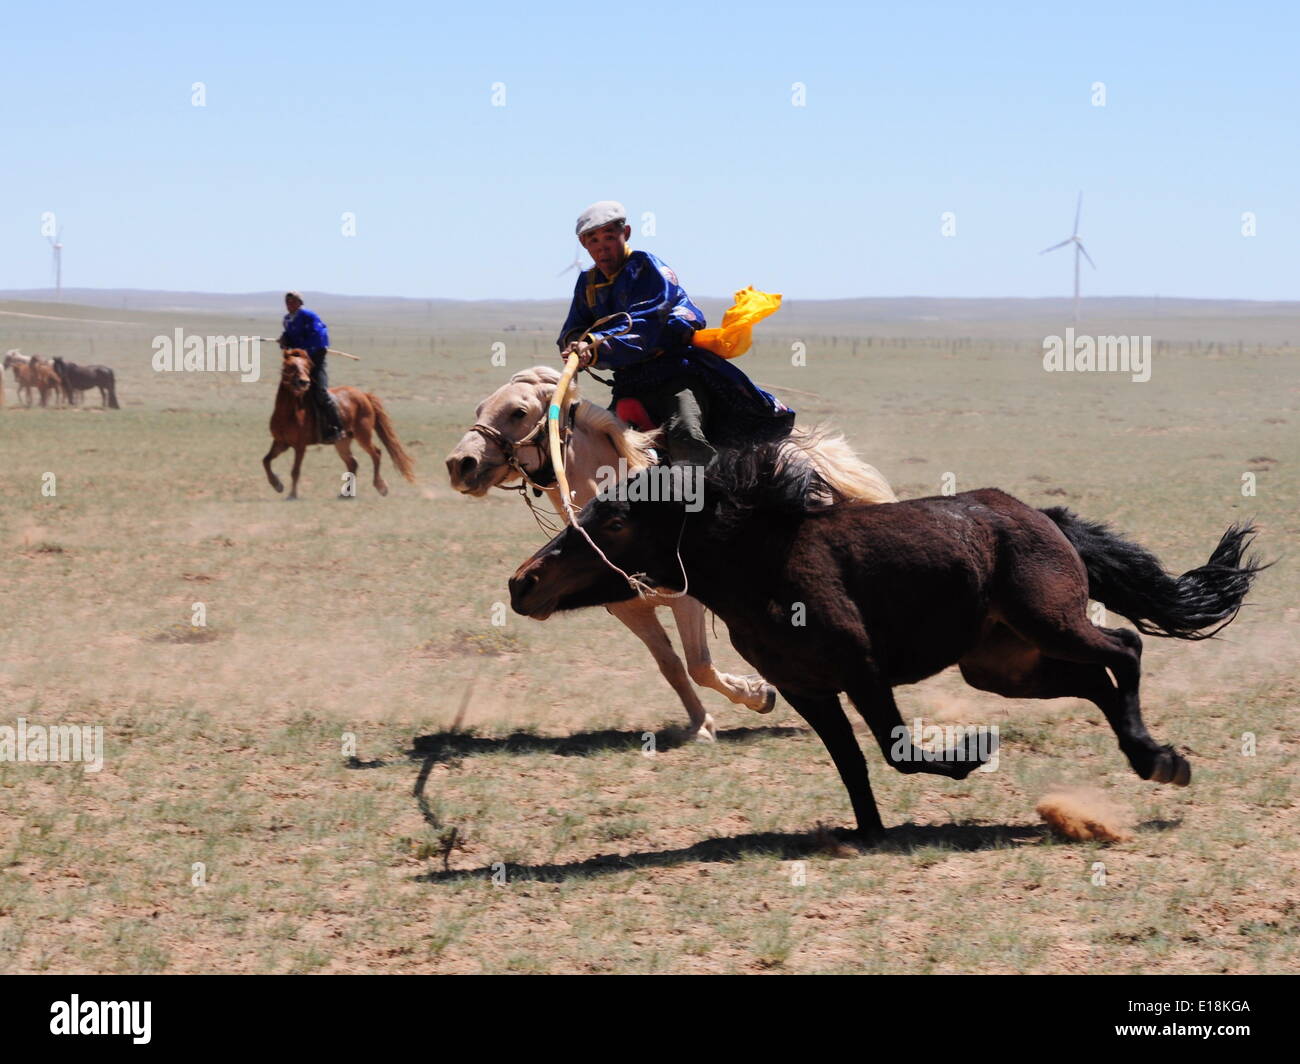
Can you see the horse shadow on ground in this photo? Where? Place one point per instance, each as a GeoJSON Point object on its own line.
{"type": "Point", "coordinates": [902, 841]}
{"type": "Point", "coordinates": [899, 841]}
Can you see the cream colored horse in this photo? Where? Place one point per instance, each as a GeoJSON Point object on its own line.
{"type": "Point", "coordinates": [507, 447]}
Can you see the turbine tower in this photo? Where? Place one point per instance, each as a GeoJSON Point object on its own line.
{"type": "Point", "coordinates": [1079, 249]}
{"type": "Point", "coordinates": [56, 243]}
{"type": "Point", "coordinates": [576, 264]}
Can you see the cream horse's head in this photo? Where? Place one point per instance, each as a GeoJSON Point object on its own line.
{"type": "Point", "coordinates": [510, 434]}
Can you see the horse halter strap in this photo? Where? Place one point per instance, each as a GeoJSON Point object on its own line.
{"type": "Point", "coordinates": [510, 448]}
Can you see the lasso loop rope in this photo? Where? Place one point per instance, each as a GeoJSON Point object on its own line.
{"type": "Point", "coordinates": [636, 581]}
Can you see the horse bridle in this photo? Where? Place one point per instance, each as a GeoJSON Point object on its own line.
{"type": "Point", "coordinates": [510, 448]}
{"type": "Point", "coordinates": [546, 469]}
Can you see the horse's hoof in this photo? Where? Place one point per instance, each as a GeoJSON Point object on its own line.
{"type": "Point", "coordinates": [754, 681]}
{"type": "Point", "coordinates": [974, 754]}
{"type": "Point", "coordinates": [708, 731]}
{"type": "Point", "coordinates": [1171, 767]}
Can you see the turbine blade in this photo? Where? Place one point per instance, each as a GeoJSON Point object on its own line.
{"type": "Point", "coordinates": [1079, 243]}
{"type": "Point", "coordinates": [1078, 210]}
{"type": "Point", "coordinates": [1055, 246]}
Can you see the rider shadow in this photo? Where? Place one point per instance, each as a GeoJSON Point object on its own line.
{"type": "Point", "coordinates": [899, 841]}
{"type": "Point", "coordinates": [453, 745]}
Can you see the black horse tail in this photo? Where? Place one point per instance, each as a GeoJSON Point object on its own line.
{"type": "Point", "coordinates": [1130, 580]}
{"type": "Point", "coordinates": [112, 392]}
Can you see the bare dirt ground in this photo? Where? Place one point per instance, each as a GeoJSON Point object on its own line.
{"type": "Point", "coordinates": [283, 789]}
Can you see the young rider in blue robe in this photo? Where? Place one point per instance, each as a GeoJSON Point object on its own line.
{"type": "Point", "coordinates": [698, 398]}
{"type": "Point", "coordinates": [304, 329]}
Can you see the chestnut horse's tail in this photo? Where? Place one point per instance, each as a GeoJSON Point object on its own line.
{"type": "Point", "coordinates": [1131, 581]}
{"type": "Point", "coordinates": [388, 437]}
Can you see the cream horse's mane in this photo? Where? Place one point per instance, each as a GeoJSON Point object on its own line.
{"type": "Point", "coordinates": [631, 444]}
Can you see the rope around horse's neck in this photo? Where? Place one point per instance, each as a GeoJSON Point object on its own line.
{"type": "Point", "coordinates": [634, 580]}
{"type": "Point", "coordinates": [542, 518]}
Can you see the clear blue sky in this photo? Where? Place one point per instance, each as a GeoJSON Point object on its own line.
{"type": "Point", "coordinates": [384, 109]}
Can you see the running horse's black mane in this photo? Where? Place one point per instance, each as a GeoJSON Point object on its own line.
{"type": "Point", "coordinates": [767, 478]}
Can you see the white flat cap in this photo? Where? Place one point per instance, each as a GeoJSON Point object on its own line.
{"type": "Point", "coordinates": [599, 214]}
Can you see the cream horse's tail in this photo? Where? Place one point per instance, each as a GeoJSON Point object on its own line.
{"type": "Point", "coordinates": [849, 476]}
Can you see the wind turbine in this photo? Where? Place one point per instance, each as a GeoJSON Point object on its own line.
{"type": "Point", "coordinates": [1079, 249]}
{"type": "Point", "coordinates": [56, 242]}
{"type": "Point", "coordinates": [576, 264]}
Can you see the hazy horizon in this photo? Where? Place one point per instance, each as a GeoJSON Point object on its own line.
{"type": "Point", "coordinates": [33, 318]}
{"type": "Point", "coordinates": [49, 295]}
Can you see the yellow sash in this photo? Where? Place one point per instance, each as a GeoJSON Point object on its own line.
{"type": "Point", "coordinates": [736, 332]}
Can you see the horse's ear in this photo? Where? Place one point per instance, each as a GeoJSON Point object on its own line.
{"type": "Point", "coordinates": [537, 375]}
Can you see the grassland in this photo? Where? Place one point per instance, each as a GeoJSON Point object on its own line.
{"type": "Point", "coordinates": [284, 791]}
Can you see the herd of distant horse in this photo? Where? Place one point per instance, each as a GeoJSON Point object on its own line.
{"type": "Point", "coordinates": [59, 379]}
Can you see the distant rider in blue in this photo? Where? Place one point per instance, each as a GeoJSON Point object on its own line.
{"type": "Point", "coordinates": [698, 398]}
{"type": "Point", "coordinates": [304, 329]}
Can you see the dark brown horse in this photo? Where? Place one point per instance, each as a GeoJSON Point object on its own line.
{"type": "Point", "coordinates": [861, 598]}
{"type": "Point", "coordinates": [293, 424]}
{"type": "Point", "coordinates": [75, 378]}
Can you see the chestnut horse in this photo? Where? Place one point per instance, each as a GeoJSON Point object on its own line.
{"type": "Point", "coordinates": [293, 424]}
{"type": "Point", "coordinates": [507, 447]}
{"type": "Point", "coordinates": [33, 373]}
{"type": "Point", "coordinates": [861, 599]}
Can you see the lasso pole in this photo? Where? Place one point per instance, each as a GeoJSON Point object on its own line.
{"type": "Point", "coordinates": [331, 350]}
{"type": "Point", "coordinates": [553, 414]}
